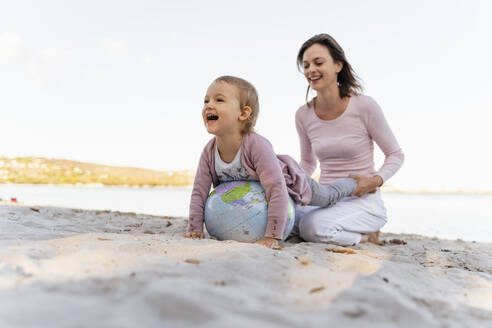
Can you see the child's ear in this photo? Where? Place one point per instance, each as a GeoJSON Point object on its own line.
{"type": "Point", "coordinates": [245, 113]}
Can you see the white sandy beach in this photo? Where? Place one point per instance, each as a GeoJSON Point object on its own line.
{"type": "Point", "coordinates": [77, 268]}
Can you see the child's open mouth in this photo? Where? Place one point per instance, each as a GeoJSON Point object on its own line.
{"type": "Point", "coordinates": [212, 117]}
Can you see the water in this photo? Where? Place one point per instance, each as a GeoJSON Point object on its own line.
{"type": "Point", "coordinates": [156, 201]}
{"type": "Point", "coordinates": [467, 217]}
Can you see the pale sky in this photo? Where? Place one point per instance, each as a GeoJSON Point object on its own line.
{"type": "Point", "coordinates": [122, 82]}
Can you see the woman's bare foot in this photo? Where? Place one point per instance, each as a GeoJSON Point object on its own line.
{"type": "Point", "coordinates": [372, 237]}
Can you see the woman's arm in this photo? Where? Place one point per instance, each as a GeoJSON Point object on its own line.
{"type": "Point", "coordinates": [308, 160]}
{"type": "Point", "coordinates": [380, 131]}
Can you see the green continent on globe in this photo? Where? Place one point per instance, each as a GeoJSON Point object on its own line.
{"type": "Point", "coordinates": [261, 197]}
{"type": "Point", "coordinates": [236, 193]}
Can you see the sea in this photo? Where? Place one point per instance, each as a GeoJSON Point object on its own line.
{"type": "Point", "coordinates": [446, 216]}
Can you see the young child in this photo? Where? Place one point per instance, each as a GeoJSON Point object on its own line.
{"type": "Point", "coordinates": [237, 153]}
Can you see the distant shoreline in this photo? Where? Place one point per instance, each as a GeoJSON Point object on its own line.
{"type": "Point", "coordinates": [48, 171]}
{"type": "Point", "coordinates": [389, 190]}
{"type": "Point", "coordinates": [94, 185]}
{"type": "Point", "coordinates": [436, 192]}
{"type": "Point", "coordinates": [39, 171]}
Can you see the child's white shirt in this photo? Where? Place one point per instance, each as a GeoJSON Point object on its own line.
{"type": "Point", "coordinates": [232, 171]}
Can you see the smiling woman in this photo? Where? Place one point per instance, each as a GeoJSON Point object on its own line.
{"type": "Point", "coordinates": [337, 69]}
{"type": "Point", "coordinates": [338, 128]}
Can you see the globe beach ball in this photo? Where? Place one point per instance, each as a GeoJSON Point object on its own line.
{"type": "Point", "coordinates": [238, 210]}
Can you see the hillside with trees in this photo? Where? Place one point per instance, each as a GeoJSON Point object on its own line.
{"type": "Point", "coordinates": [37, 170]}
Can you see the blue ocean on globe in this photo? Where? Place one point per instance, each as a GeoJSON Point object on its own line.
{"type": "Point", "coordinates": [238, 210]}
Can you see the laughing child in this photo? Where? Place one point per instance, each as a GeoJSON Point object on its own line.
{"type": "Point", "coordinates": [236, 152]}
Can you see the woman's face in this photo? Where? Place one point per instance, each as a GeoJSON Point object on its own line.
{"type": "Point", "coordinates": [319, 68]}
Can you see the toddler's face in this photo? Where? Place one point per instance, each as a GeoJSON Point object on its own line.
{"type": "Point", "coordinates": [221, 109]}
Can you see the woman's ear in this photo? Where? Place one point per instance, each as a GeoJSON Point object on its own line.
{"type": "Point", "coordinates": [339, 67]}
{"type": "Point", "coordinates": [245, 113]}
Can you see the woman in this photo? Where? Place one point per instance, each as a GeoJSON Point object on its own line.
{"type": "Point", "coordinates": [337, 128]}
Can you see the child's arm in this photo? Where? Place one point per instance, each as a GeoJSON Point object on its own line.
{"type": "Point", "coordinates": [199, 194]}
{"type": "Point", "coordinates": [271, 177]}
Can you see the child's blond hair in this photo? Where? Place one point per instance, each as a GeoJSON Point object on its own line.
{"type": "Point", "coordinates": [247, 97]}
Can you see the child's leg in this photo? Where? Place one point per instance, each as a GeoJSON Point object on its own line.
{"type": "Point", "coordinates": [326, 196]}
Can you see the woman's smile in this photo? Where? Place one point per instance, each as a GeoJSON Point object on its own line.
{"type": "Point", "coordinates": [314, 79]}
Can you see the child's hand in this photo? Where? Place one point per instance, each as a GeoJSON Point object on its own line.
{"type": "Point", "coordinates": [194, 235]}
{"type": "Point", "coordinates": [268, 242]}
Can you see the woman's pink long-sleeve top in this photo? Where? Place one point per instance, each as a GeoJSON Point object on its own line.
{"type": "Point", "coordinates": [345, 144]}
{"type": "Point", "coordinates": [280, 176]}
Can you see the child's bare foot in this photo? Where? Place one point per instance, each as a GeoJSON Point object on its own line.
{"type": "Point", "coordinates": [372, 237]}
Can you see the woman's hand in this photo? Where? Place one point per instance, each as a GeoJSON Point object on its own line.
{"type": "Point", "coordinates": [194, 235]}
{"type": "Point", "coordinates": [366, 184]}
{"type": "Point", "coordinates": [268, 242]}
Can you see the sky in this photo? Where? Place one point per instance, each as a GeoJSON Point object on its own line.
{"type": "Point", "coordinates": [123, 82]}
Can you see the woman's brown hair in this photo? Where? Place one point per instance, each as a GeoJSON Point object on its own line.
{"type": "Point", "coordinates": [348, 82]}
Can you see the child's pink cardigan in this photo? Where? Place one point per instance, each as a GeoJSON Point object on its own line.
{"type": "Point", "coordinates": [280, 175]}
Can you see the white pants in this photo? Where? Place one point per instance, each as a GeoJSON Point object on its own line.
{"type": "Point", "coordinates": [342, 223]}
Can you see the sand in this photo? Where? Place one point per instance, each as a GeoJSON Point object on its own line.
{"type": "Point", "coordinates": [77, 268]}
